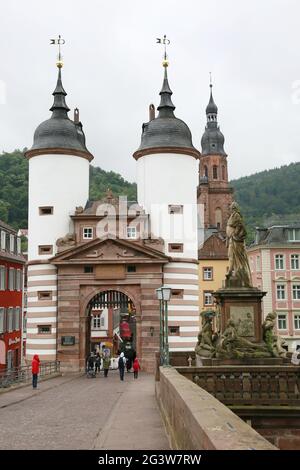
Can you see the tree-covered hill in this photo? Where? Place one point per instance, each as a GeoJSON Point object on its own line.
{"type": "Point", "coordinates": [272, 196]}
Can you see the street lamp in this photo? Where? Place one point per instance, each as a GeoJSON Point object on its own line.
{"type": "Point", "coordinates": [164, 295]}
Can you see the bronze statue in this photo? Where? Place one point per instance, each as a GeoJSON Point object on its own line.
{"type": "Point", "coordinates": [238, 259]}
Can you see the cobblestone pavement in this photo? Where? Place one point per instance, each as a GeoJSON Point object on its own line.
{"type": "Point", "coordinates": [81, 413]}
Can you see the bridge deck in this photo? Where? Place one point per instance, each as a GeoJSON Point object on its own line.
{"type": "Point", "coordinates": [81, 413]}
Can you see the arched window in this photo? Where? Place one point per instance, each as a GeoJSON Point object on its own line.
{"type": "Point", "coordinates": [205, 171]}
{"type": "Point", "coordinates": [215, 172]}
{"type": "Point", "coordinates": [223, 172]}
{"type": "Point", "coordinates": [218, 217]}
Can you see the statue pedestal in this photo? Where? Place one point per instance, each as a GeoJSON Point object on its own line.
{"type": "Point", "coordinates": [243, 306]}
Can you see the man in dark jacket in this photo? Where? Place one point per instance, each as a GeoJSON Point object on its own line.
{"type": "Point", "coordinates": [121, 365]}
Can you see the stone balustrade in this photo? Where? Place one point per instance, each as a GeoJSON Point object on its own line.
{"type": "Point", "coordinates": [248, 385]}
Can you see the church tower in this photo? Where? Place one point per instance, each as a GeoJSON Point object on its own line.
{"type": "Point", "coordinates": [58, 182]}
{"type": "Point", "coordinates": [214, 192]}
{"type": "Point", "coordinates": [167, 168]}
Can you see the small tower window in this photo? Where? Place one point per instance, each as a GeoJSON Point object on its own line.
{"type": "Point", "coordinates": [215, 171]}
{"type": "Point", "coordinates": [45, 249]}
{"type": "Point", "coordinates": [223, 172]}
{"type": "Point", "coordinates": [205, 171]}
{"type": "Point", "coordinates": [46, 210]}
{"type": "Point", "coordinates": [176, 247]}
{"type": "Point", "coordinates": [218, 217]}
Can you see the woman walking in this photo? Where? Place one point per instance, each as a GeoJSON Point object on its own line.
{"type": "Point", "coordinates": [106, 364]}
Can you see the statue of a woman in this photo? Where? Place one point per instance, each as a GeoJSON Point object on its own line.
{"type": "Point", "coordinates": [238, 260]}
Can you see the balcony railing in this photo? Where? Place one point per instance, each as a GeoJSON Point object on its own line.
{"type": "Point", "coordinates": [23, 374]}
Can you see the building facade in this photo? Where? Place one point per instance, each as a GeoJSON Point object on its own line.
{"type": "Point", "coordinates": [275, 267]}
{"type": "Point", "coordinates": [11, 297]}
{"type": "Point", "coordinates": [88, 260]}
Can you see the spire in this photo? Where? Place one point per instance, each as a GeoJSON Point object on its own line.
{"type": "Point", "coordinates": [59, 107]}
{"type": "Point", "coordinates": [211, 108]}
{"type": "Point", "coordinates": [166, 107]}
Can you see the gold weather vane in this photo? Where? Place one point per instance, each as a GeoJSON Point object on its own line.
{"type": "Point", "coordinates": [59, 42]}
{"type": "Point", "coordinates": [165, 41]}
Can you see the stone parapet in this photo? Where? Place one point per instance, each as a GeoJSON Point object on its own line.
{"type": "Point", "coordinates": [195, 420]}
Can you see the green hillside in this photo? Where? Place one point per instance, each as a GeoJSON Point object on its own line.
{"type": "Point", "coordinates": [267, 197]}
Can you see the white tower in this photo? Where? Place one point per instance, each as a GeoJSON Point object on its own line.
{"type": "Point", "coordinates": [58, 182]}
{"type": "Point", "coordinates": [167, 179]}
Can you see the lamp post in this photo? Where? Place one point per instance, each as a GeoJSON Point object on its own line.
{"type": "Point", "coordinates": [164, 295]}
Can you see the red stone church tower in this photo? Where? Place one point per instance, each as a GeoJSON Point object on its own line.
{"type": "Point", "coordinates": [214, 191]}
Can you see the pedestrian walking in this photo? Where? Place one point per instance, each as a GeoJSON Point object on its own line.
{"type": "Point", "coordinates": [121, 365]}
{"type": "Point", "coordinates": [136, 368]}
{"type": "Point", "coordinates": [35, 369]}
{"type": "Point", "coordinates": [106, 364]}
{"type": "Point", "coordinates": [97, 363]}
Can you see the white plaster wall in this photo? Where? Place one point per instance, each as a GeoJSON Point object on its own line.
{"type": "Point", "coordinates": [165, 179]}
{"type": "Point", "coordinates": [61, 181]}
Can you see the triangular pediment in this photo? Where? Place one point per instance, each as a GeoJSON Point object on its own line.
{"type": "Point", "coordinates": [109, 250]}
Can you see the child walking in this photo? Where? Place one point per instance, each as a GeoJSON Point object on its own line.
{"type": "Point", "coordinates": [136, 368]}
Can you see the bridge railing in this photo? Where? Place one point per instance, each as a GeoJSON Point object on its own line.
{"type": "Point", "coordinates": [23, 374]}
{"type": "Point", "coordinates": [248, 385]}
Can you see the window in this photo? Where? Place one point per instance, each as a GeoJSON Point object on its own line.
{"type": "Point", "coordinates": [175, 209]}
{"type": "Point", "coordinates": [173, 330]}
{"type": "Point", "coordinates": [16, 323]}
{"type": "Point", "coordinates": [87, 233]}
{"type": "Point", "coordinates": [45, 249]}
{"type": "Point", "coordinates": [294, 235]}
{"type": "Point", "coordinates": [88, 269]}
{"type": "Point", "coordinates": [44, 329]}
{"type": "Point", "coordinates": [10, 319]}
{"type": "Point", "coordinates": [205, 171]}
{"type": "Point", "coordinates": [2, 315]}
{"type": "Point", "coordinates": [280, 291]}
{"type": "Point", "coordinates": [279, 262]}
{"type": "Point", "coordinates": [11, 243]}
{"type": "Point", "coordinates": [19, 245]}
{"type": "Point", "coordinates": [296, 291]}
{"type": "Point", "coordinates": [177, 293]}
{"type": "Point", "coordinates": [218, 217]}
{"type": "Point", "coordinates": [45, 295]}
{"type": "Point", "coordinates": [96, 322]}
{"type": "Point", "coordinates": [131, 268]}
{"type": "Point", "coordinates": [102, 320]}
{"type": "Point", "coordinates": [3, 282]}
{"type": "Point", "coordinates": [18, 279]}
{"type": "Point", "coordinates": [294, 261]}
{"type": "Point", "coordinates": [24, 324]}
{"type": "Point", "coordinates": [223, 173]}
{"type": "Point", "coordinates": [297, 322]}
{"type": "Point", "coordinates": [46, 210]}
{"type": "Point", "coordinates": [208, 298]}
{"type": "Point", "coordinates": [207, 274]}
{"type": "Point", "coordinates": [257, 263]}
{"type": "Point", "coordinates": [11, 282]}
{"type": "Point", "coordinates": [215, 172]}
{"type": "Point", "coordinates": [282, 322]}
{"type": "Point", "coordinates": [131, 232]}
{"type": "Point", "coordinates": [176, 247]}
{"type": "Point", "coordinates": [3, 240]}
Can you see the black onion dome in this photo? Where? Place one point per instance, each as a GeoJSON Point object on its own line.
{"type": "Point", "coordinates": [212, 141]}
{"type": "Point", "coordinates": [166, 130]}
{"type": "Point", "coordinates": [59, 132]}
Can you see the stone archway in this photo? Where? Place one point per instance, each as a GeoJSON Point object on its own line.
{"type": "Point", "coordinates": [107, 296]}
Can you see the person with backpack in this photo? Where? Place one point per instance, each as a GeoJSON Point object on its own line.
{"type": "Point", "coordinates": [136, 368]}
{"type": "Point", "coordinates": [121, 365]}
{"type": "Point", "coordinates": [35, 368]}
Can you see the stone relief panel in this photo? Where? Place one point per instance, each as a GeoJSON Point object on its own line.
{"type": "Point", "coordinates": [243, 317]}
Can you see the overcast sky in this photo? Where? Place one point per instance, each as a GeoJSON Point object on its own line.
{"type": "Point", "coordinates": [113, 71]}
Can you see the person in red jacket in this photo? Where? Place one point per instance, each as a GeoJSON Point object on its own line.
{"type": "Point", "coordinates": [136, 368]}
{"type": "Point", "coordinates": [35, 368]}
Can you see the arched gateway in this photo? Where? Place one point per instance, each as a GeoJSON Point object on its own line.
{"type": "Point", "coordinates": [111, 322]}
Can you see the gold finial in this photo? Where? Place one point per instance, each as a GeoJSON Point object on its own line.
{"type": "Point", "coordinates": [165, 42]}
{"type": "Point", "coordinates": [58, 42]}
